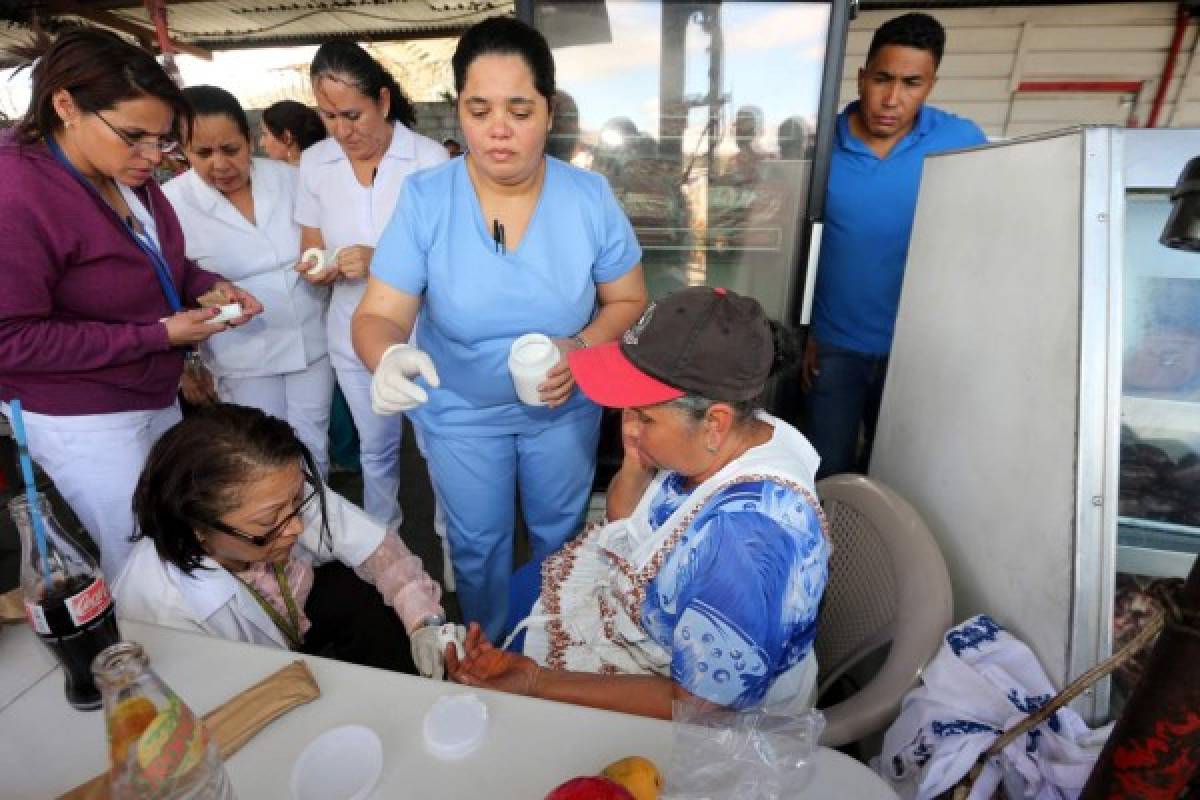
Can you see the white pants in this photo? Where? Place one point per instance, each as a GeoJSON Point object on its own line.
{"type": "Point", "coordinates": [379, 447]}
{"type": "Point", "coordinates": [94, 461]}
{"type": "Point", "coordinates": [439, 525]}
{"type": "Point", "coordinates": [301, 398]}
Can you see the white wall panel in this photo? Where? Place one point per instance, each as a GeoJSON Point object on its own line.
{"type": "Point", "coordinates": [1102, 37]}
{"type": "Point", "coordinates": [1099, 65]}
{"type": "Point", "coordinates": [1099, 14]}
{"type": "Point", "coordinates": [976, 65]}
{"type": "Point", "coordinates": [1096, 110]}
{"type": "Point", "coordinates": [965, 40]}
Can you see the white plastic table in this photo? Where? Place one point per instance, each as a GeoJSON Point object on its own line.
{"type": "Point", "coordinates": [23, 662]}
{"type": "Point", "coordinates": [46, 747]}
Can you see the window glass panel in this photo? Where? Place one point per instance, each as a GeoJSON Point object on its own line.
{"type": "Point", "coordinates": [701, 116]}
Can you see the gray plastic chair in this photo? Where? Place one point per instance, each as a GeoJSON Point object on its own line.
{"type": "Point", "coordinates": [887, 583]}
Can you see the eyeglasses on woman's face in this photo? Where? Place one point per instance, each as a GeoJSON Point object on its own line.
{"type": "Point", "coordinates": [304, 499]}
{"type": "Point", "coordinates": [142, 143]}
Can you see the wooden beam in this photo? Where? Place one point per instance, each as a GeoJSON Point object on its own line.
{"type": "Point", "coordinates": [1189, 75]}
{"type": "Point", "coordinates": [1024, 41]}
{"type": "Point", "coordinates": [109, 20]}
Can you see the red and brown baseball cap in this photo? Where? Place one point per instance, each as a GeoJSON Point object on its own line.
{"type": "Point", "coordinates": [704, 341]}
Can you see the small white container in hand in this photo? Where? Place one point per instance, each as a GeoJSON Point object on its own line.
{"type": "Point", "coordinates": [227, 312]}
{"type": "Point", "coordinates": [530, 358]}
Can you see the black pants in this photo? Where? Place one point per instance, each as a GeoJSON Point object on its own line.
{"type": "Point", "coordinates": [350, 622]}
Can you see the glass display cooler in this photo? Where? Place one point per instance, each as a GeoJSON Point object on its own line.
{"type": "Point", "coordinates": [1042, 406]}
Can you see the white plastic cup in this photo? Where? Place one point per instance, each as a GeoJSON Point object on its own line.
{"type": "Point", "coordinates": [341, 764]}
{"type": "Point", "coordinates": [531, 357]}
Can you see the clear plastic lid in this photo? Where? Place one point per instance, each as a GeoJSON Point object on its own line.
{"type": "Point", "coordinates": [342, 763]}
{"type": "Point", "coordinates": [455, 726]}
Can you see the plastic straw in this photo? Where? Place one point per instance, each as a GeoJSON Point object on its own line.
{"type": "Point", "coordinates": [35, 509]}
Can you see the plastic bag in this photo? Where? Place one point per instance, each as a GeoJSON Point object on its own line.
{"type": "Point", "coordinates": [747, 755]}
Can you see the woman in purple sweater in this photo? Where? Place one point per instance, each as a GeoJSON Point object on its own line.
{"type": "Point", "coordinates": [94, 285]}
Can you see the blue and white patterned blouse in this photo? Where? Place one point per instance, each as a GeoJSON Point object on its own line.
{"type": "Point", "coordinates": [736, 602]}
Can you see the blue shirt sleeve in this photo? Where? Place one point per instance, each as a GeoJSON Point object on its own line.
{"type": "Point", "coordinates": [401, 257]}
{"type": "Point", "coordinates": [619, 248]}
{"type": "Point", "coordinates": [972, 134]}
{"type": "Point", "coordinates": [748, 610]}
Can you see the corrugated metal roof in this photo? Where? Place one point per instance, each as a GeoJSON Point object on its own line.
{"type": "Point", "coordinates": [263, 23]}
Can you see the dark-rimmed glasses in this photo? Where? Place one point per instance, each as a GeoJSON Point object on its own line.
{"type": "Point", "coordinates": [158, 145]}
{"type": "Point", "coordinates": [273, 534]}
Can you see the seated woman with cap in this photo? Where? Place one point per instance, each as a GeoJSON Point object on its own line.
{"type": "Point", "coordinates": [238, 537]}
{"type": "Point", "coordinates": [707, 579]}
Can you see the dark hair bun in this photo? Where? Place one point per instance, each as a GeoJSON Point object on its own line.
{"type": "Point", "coordinates": [297, 119]}
{"type": "Point", "coordinates": [346, 60]}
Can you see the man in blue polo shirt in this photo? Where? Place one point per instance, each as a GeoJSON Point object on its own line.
{"type": "Point", "coordinates": [879, 147]}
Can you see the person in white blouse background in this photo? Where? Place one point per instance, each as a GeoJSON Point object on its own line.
{"type": "Point", "coordinates": [237, 216]}
{"type": "Point", "coordinates": [349, 185]}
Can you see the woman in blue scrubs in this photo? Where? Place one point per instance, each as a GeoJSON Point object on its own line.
{"type": "Point", "coordinates": [481, 250]}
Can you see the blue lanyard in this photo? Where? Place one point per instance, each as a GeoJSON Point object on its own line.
{"type": "Point", "coordinates": [144, 242]}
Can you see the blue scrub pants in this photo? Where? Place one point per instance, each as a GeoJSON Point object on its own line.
{"type": "Point", "coordinates": [477, 479]}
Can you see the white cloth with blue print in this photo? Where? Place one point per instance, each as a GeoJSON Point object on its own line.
{"type": "Point", "coordinates": [982, 682]}
{"type": "Point", "coordinates": [717, 588]}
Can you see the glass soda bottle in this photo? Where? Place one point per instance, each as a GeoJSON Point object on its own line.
{"type": "Point", "coordinates": [67, 601]}
{"type": "Point", "coordinates": [157, 747]}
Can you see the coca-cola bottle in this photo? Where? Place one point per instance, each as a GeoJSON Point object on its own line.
{"type": "Point", "coordinates": [66, 600]}
{"type": "Point", "coordinates": [157, 747]}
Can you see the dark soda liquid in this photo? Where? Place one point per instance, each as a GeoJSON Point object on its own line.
{"type": "Point", "coordinates": [76, 646]}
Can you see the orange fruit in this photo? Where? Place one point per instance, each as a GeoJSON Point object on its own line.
{"type": "Point", "coordinates": [637, 774]}
{"type": "Point", "coordinates": [125, 725]}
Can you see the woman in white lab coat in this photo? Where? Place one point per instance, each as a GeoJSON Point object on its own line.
{"type": "Point", "coordinates": [349, 185]}
{"type": "Point", "coordinates": [238, 537]}
{"type": "Point", "coordinates": [237, 216]}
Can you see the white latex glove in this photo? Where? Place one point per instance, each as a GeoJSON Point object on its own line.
{"type": "Point", "coordinates": [392, 388]}
{"type": "Point", "coordinates": [429, 647]}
